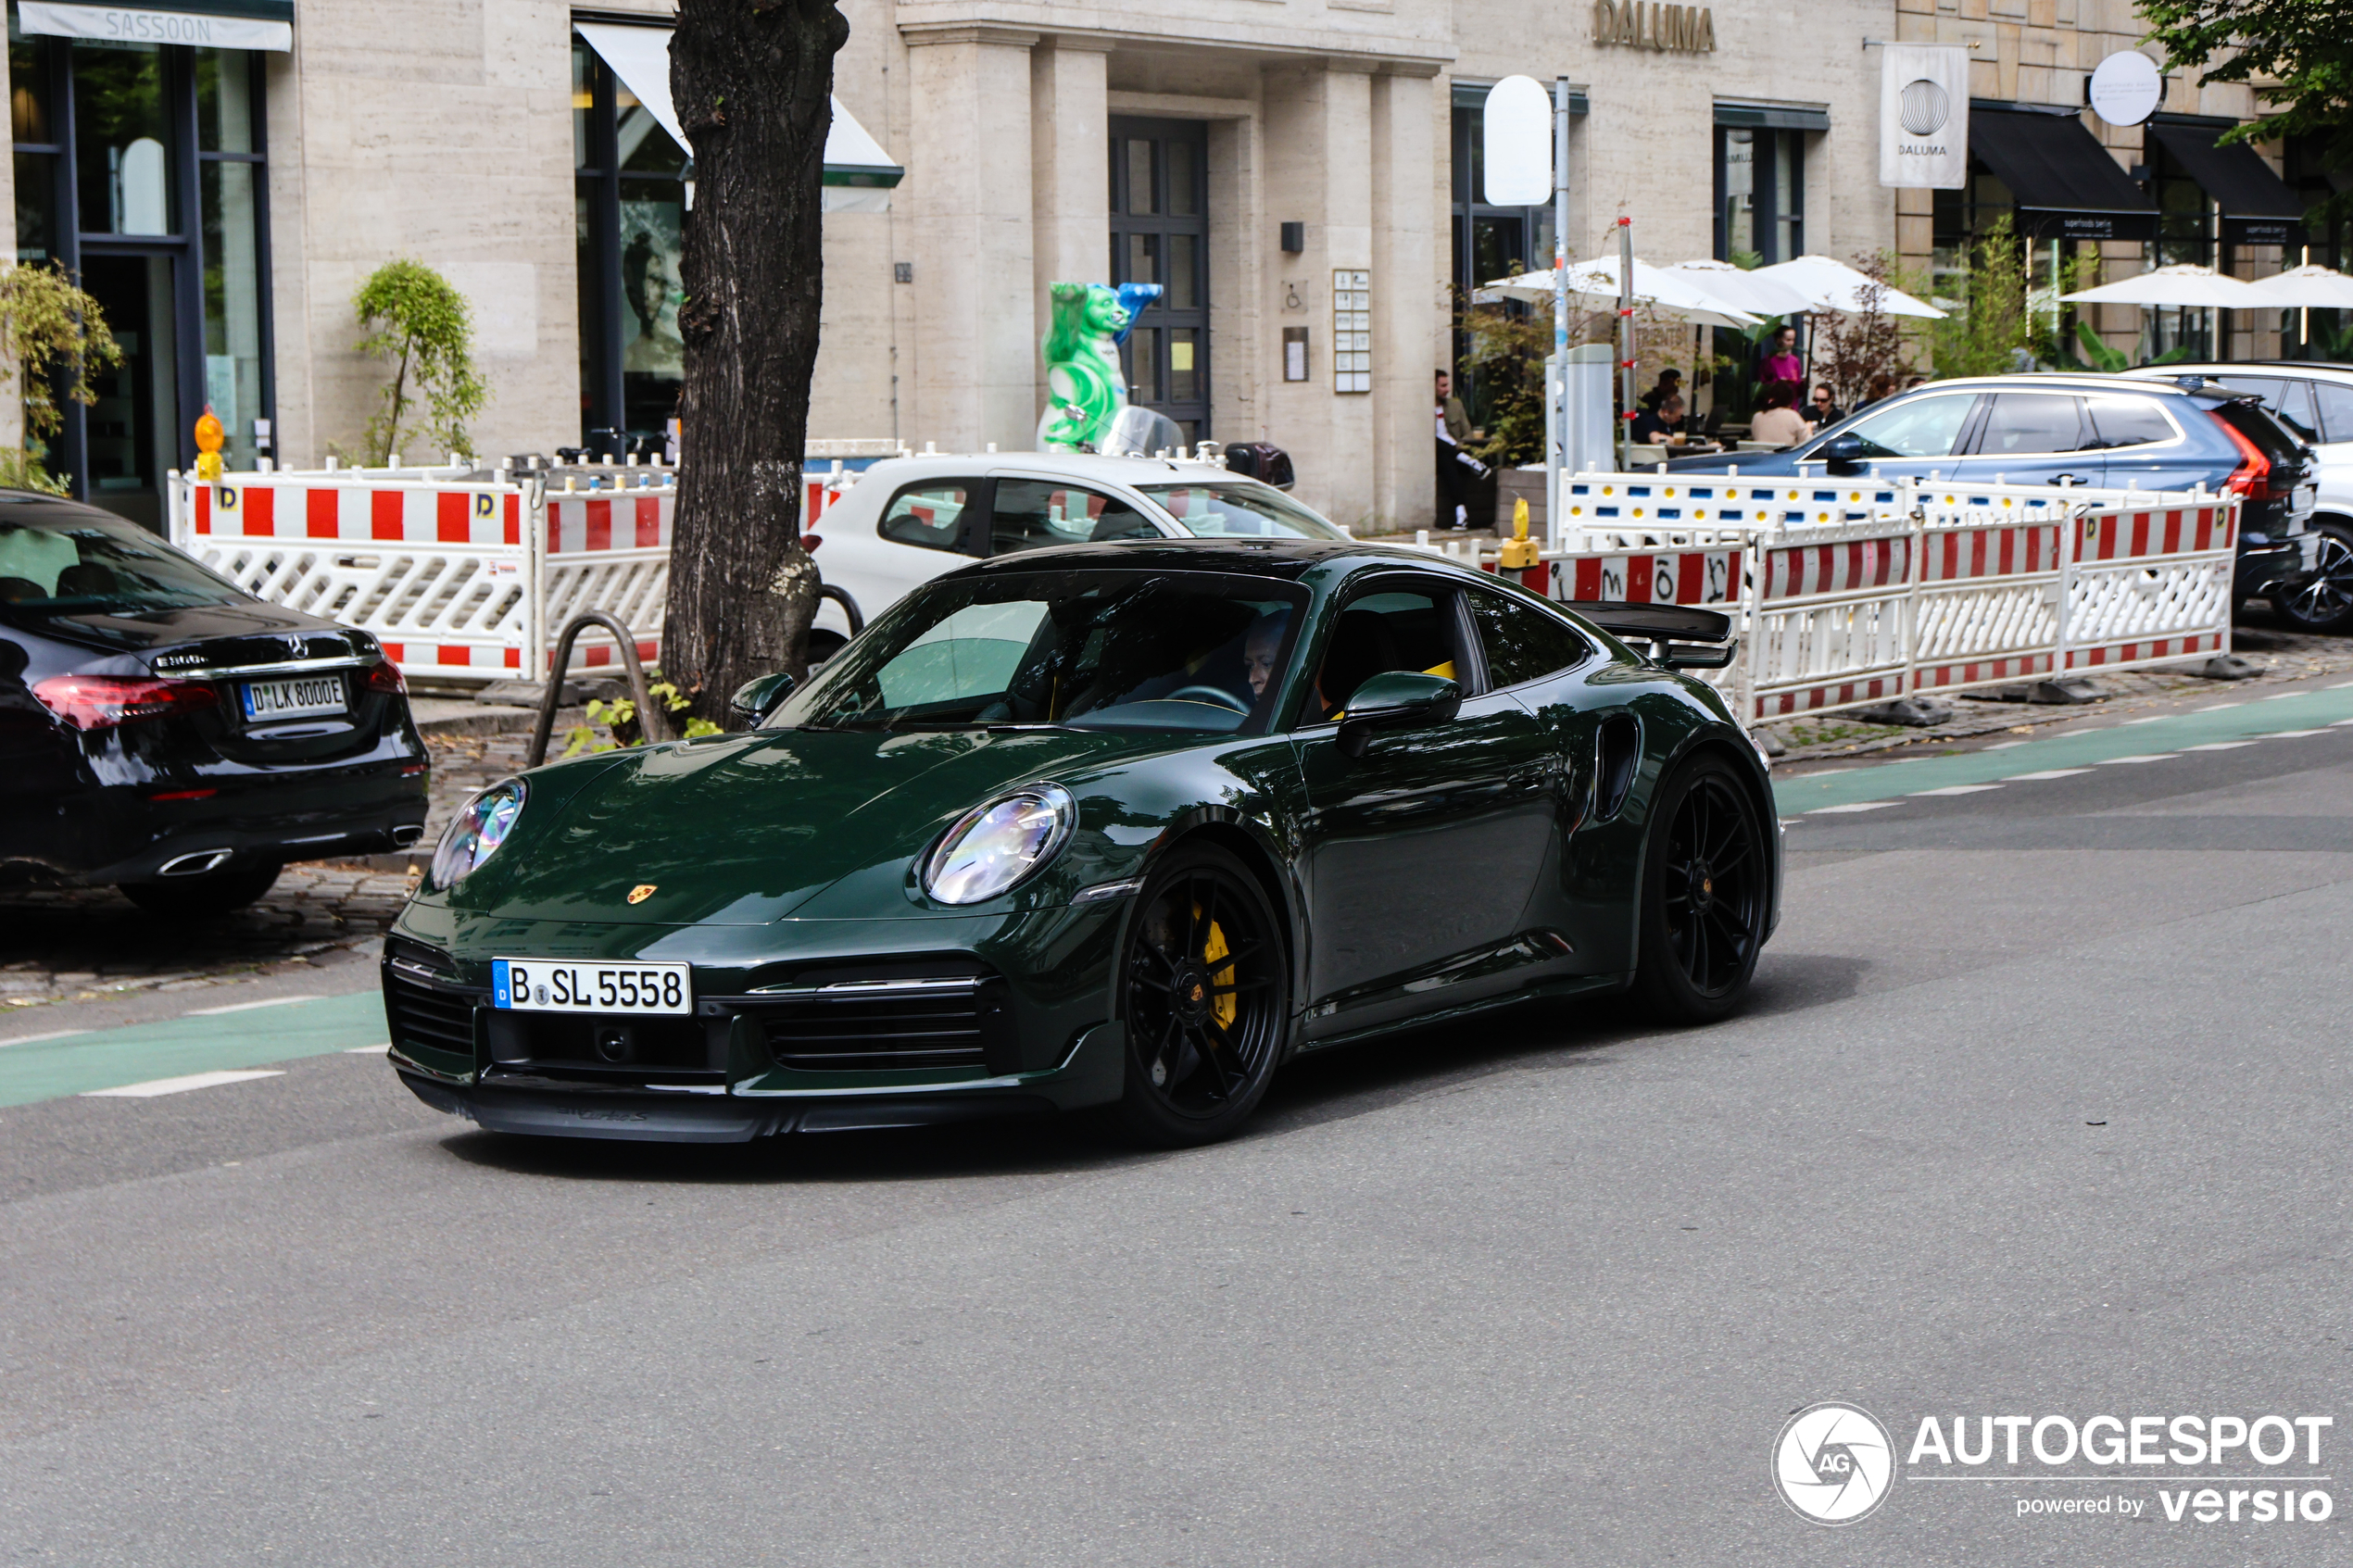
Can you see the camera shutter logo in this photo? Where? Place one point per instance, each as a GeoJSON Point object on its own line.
{"type": "Point", "coordinates": [1833, 1464]}
{"type": "Point", "coordinates": [1924, 106]}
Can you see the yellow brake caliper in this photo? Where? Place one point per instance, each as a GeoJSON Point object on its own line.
{"type": "Point", "coordinates": [1229, 1005]}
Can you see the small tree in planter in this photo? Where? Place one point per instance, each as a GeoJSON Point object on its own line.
{"type": "Point", "coordinates": [1850, 347]}
{"type": "Point", "coordinates": [55, 335]}
{"type": "Point", "coordinates": [423, 328]}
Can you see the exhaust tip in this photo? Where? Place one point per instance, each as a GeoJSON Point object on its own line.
{"type": "Point", "coordinates": [203, 860]}
{"type": "Point", "coordinates": [406, 834]}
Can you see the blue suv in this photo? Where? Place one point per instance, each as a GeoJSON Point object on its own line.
{"type": "Point", "coordinates": [2084, 429]}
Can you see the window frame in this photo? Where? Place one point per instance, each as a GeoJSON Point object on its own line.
{"type": "Point", "coordinates": [603, 430]}
{"type": "Point", "coordinates": [1468, 651]}
{"type": "Point", "coordinates": [982, 489]}
{"type": "Point", "coordinates": [1529, 602]}
{"type": "Point", "coordinates": [1993, 401]}
{"type": "Point", "coordinates": [2092, 416]}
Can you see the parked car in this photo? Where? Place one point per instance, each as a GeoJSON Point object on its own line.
{"type": "Point", "coordinates": [2315, 401]}
{"type": "Point", "coordinates": [2088, 429]}
{"type": "Point", "coordinates": [164, 731]}
{"type": "Point", "coordinates": [1115, 825]}
{"type": "Point", "coordinates": [908, 519]}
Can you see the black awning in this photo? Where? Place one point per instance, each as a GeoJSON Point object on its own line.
{"type": "Point", "coordinates": [2257, 207]}
{"type": "Point", "coordinates": [2066, 184]}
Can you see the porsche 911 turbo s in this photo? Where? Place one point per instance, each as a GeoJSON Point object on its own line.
{"type": "Point", "coordinates": [163, 730]}
{"type": "Point", "coordinates": [1115, 825]}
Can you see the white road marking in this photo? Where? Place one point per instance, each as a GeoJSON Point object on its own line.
{"type": "Point", "coordinates": [1957, 789]}
{"type": "Point", "coordinates": [2341, 724]}
{"type": "Point", "coordinates": [2341, 685]}
{"type": "Point", "coordinates": [2219, 745]}
{"type": "Point", "coordinates": [51, 1034]}
{"type": "Point", "coordinates": [2279, 696]}
{"type": "Point", "coordinates": [248, 1007]}
{"type": "Point", "coordinates": [2152, 719]}
{"type": "Point", "coordinates": [2002, 745]}
{"type": "Point", "coordinates": [1857, 806]}
{"type": "Point", "coordinates": [2047, 773]}
{"type": "Point", "coordinates": [2291, 734]}
{"type": "Point", "coordinates": [2150, 757]}
{"type": "Point", "coordinates": [2218, 708]}
{"type": "Point", "coordinates": [180, 1086]}
{"type": "Point", "coordinates": [377, 1049]}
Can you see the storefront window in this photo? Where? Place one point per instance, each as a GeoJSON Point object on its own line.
{"type": "Point", "coordinates": [185, 294]}
{"type": "Point", "coordinates": [1489, 242]}
{"type": "Point", "coordinates": [1761, 195]}
{"type": "Point", "coordinates": [630, 224]}
{"type": "Point", "coordinates": [123, 139]}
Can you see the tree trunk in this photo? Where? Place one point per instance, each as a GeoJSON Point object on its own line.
{"type": "Point", "coordinates": [753, 82]}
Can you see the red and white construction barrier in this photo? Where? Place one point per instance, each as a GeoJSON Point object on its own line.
{"type": "Point", "coordinates": [1859, 591]}
{"type": "Point", "coordinates": [459, 577]}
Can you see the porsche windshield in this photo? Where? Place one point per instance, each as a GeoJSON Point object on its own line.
{"type": "Point", "coordinates": [1127, 650]}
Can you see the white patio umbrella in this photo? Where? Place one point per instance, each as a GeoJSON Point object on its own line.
{"type": "Point", "coordinates": [1747, 289]}
{"type": "Point", "coordinates": [1833, 285]}
{"type": "Point", "coordinates": [2306, 288]}
{"type": "Point", "coordinates": [1595, 284]}
{"type": "Point", "coordinates": [2195, 288]}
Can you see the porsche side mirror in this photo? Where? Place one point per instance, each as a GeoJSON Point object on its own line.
{"type": "Point", "coordinates": [754, 700]}
{"type": "Point", "coordinates": [1843, 453]}
{"type": "Point", "coordinates": [1396, 700]}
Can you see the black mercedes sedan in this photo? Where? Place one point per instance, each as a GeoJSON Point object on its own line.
{"type": "Point", "coordinates": [164, 731]}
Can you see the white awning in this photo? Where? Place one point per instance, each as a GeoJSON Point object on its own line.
{"type": "Point", "coordinates": [253, 24]}
{"type": "Point", "coordinates": [859, 174]}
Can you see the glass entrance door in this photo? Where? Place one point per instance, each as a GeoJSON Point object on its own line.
{"type": "Point", "coordinates": [131, 434]}
{"type": "Point", "coordinates": [1160, 235]}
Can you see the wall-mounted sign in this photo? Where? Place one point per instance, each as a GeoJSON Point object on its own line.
{"type": "Point", "coordinates": [1518, 133]}
{"type": "Point", "coordinates": [1687, 29]}
{"type": "Point", "coordinates": [141, 24]}
{"type": "Point", "coordinates": [1923, 116]}
{"type": "Point", "coordinates": [2126, 88]}
{"type": "Point", "coordinates": [1351, 330]}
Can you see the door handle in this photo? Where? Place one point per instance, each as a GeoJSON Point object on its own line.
{"type": "Point", "coordinates": [2066, 479]}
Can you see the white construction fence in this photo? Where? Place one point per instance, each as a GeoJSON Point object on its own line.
{"type": "Point", "coordinates": [1848, 592]}
{"type": "Point", "coordinates": [1845, 591]}
{"type": "Point", "coordinates": [461, 578]}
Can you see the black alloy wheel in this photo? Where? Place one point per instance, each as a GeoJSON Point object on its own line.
{"type": "Point", "coordinates": [1205, 993]}
{"type": "Point", "coordinates": [2323, 602]}
{"type": "Point", "coordinates": [1704, 894]}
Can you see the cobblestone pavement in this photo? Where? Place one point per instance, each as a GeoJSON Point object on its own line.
{"type": "Point", "coordinates": [84, 944]}
{"type": "Point", "coordinates": [61, 947]}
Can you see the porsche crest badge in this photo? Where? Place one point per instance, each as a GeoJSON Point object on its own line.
{"type": "Point", "coordinates": [642, 891]}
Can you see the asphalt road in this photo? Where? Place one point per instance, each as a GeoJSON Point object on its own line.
{"type": "Point", "coordinates": [2040, 1110]}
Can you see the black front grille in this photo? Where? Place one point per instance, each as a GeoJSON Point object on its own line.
{"type": "Point", "coordinates": [853, 1026]}
{"type": "Point", "coordinates": [664, 1044]}
{"type": "Point", "coordinates": [443, 1020]}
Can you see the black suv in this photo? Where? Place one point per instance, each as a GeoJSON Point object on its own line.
{"type": "Point", "coordinates": [164, 731]}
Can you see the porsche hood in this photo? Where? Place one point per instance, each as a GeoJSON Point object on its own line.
{"type": "Point", "coordinates": [744, 831]}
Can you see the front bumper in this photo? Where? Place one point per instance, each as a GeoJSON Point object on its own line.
{"type": "Point", "coordinates": [535, 1104]}
{"type": "Point", "coordinates": [798, 1026]}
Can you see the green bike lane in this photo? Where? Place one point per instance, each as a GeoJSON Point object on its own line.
{"type": "Point", "coordinates": [151, 1058]}
{"type": "Point", "coordinates": [2217, 726]}
{"type": "Point", "coordinates": [203, 1047]}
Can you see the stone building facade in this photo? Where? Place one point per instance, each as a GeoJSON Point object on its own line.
{"type": "Point", "coordinates": [226, 179]}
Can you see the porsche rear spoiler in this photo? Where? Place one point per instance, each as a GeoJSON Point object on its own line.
{"type": "Point", "coordinates": [1668, 629]}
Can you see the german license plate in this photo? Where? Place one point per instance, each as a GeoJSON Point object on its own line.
{"type": "Point", "coordinates": [304, 696]}
{"type": "Point", "coordinates": [545, 985]}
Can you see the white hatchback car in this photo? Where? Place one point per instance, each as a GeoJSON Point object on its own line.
{"type": "Point", "coordinates": [905, 520]}
{"type": "Point", "coordinates": [2315, 401]}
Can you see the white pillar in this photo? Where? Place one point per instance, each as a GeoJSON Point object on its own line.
{"type": "Point", "coordinates": [1409, 303]}
{"type": "Point", "coordinates": [1070, 162]}
{"type": "Point", "coordinates": [968, 195]}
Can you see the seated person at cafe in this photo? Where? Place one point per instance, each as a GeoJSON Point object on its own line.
{"type": "Point", "coordinates": [1662, 427]}
{"type": "Point", "coordinates": [1825, 411]}
{"type": "Point", "coordinates": [1671, 383]}
{"type": "Point", "coordinates": [1780, 423]}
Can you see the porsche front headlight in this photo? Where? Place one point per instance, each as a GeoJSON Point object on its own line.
{"type": "Point", "coordinates": [993, 847]}
{"type": "Point", "coordinates": [481, 825]}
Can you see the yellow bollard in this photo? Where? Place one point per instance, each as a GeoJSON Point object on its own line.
{"type": "Point", "coordinates": [210, 437]}
{"type": "Point", "coordinates": [1519, 550]}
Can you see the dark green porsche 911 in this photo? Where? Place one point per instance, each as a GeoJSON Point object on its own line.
{"type": "Point", "coordinates": [1118, 826]}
